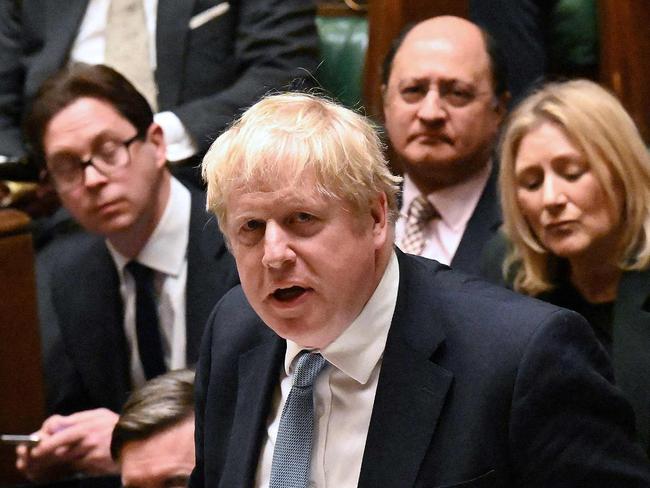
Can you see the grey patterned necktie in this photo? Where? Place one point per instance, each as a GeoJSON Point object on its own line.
{"type": "Point", "coordinates": [292, 452]}
{"type": "Point", "coordinates": [127, 46]}
{"type": "Point", "coordinates": [420, 213]}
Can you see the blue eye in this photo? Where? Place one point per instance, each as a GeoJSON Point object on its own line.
{"type": "Point", "coordinates": [304, 217]}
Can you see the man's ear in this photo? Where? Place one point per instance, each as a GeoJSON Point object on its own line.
{"type": "Point", "coordinates": [156, 136]}
{"type": "Point", "coordinates": [379, 214]}
{"type": "Point", "coordinates": [383, 99]}
{"type": "Point", "coordinates": [501, 104]}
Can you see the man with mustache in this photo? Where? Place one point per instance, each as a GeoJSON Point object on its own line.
{"type": "Point", "coordinates": [445, 95]}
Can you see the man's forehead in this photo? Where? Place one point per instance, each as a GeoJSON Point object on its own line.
{"type": "Point", "coordinates": [289, 191]}
{"type": "Point", "coordinates": [85, 117]}
{"type": "Point", "coordinates": [453, 53]}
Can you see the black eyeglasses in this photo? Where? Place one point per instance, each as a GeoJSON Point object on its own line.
{"type": "Point", "coordinates": [68, 171]}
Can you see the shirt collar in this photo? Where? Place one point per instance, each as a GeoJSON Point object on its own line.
{"type": "Point", "coordinates": [166, 249]}
{"type": "Point", "coordinates": [358, 349]}
{"type": "Point", "coordinates": [456, 203]}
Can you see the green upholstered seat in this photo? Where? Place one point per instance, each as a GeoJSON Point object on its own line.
{"type": "Point", "coordinates": [343, 42]}
{"type": "Point", "coordinates": [574, 38]}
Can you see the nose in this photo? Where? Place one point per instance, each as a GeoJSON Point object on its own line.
{"type": "Point", "coordinates": [431, 107]}
{"type": "Point", "coordinates": [277, 247]}
{"type": "Point", "coordinates": [93, 177]}
{"type": "Point", "coordinates": [553, 195]}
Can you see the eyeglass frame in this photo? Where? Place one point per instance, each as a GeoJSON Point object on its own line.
{"type": "Point", "coordinates": [104, 169]}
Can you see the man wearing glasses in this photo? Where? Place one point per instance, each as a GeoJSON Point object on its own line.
{"type": "Point", "coordinates": [445, 95]}
{"type": "Point", "coordinates": [127, 300]}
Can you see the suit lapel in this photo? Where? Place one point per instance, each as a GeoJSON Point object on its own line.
{"type": "Point", "coordinates": [63, 20]}
{"type": "Point", "coordinates": [484, 222]}
{"type": "Point", "coordinates": [258, 375]}
{"type": "Point", "coordinates": [411, 391]}
{"type": "Point", "coordinates": [631, 337]}
{"type": "Point", "coordinates": [211, 272]}
{"type": "Point", "coordinates": [172, 29]}
{"type": "Point", "coordinates": [94, 330]}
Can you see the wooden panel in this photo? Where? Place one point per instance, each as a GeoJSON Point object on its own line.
{"type": "Point", "coordinates": [624, 51]}
{"type": "Point", "coordinates": [386, 20]}
{"type": "Point", "coordinates": [337, 8]}
{"type": "Point", "coordinates": [21, 383]}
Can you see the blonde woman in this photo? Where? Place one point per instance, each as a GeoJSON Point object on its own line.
{"type": "Point", "coordinates": [575, 194]}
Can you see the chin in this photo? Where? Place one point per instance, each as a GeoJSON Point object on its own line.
{"type": "Point", "coordinates": [431, 156]}
{"type": "Point", "coordinates": [114, 226]}
{"type": "Point", "coordinates": [296, 331]}
{"type": "Point", "coordinates": [568, 251]}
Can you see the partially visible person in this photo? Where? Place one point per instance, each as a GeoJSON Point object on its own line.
{"type": "Point", "coordinates": [343, 362]}
{"type": "Point", "coordinates": [521, 27]}
{"type": "Point", "coordinates": [541, 39]}
{"type": "Point", "coordinates": [153, 440]}
{"type": "Point", "coordinates": [444, 97]}
{"type": "Point", "coordinates": [208, 59]}
{"type": "Point", "coordinates": [199, 62]}
{"type": "Point", "coordinates": [128, 298]}
{"type": "Point", "coordinates": [575, 189]}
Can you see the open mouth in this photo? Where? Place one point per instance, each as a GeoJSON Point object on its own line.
{"type": "Point", "coordinates": [288, 294]}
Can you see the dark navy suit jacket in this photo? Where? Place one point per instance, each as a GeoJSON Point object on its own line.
{"type": "Point", "coordinates": [85, 352]}
{"type": "Point", "coordinates": [205, 75]}
{"type": "Point", "coordinates": [479, 387]}
{"type": "Point", "coordinates": [630, 331]}
{"type": "Point", "coordinates": [481, 227]}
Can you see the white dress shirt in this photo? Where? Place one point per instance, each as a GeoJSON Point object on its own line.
{"type": "Point", "coordinates": [89, 47]}
{"type": "Point", "coordinates": [344, 392]}
{"type": "Point", "coordinates": [455, 205]}
{"type": "Point", "coordinates": [165, 253]}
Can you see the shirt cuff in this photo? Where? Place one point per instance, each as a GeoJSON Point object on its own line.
{"type": "Point", "coordinates": [180, 144]}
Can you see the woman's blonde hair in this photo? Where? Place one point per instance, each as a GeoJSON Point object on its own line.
{"type": "Point", "coordinates": [595, 121]}
{"type": "Point", "coordinates": [284, 135]}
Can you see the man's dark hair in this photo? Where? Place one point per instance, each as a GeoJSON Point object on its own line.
{"type": "Point", "coordinates": [498, 65]}
{"type": "Point", "coordinates": [81, 80]}
{"type": "Point", "coordinates": [160, 403]}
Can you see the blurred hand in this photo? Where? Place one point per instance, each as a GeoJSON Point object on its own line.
{"type": "Point", "coordinates": [70, 444]}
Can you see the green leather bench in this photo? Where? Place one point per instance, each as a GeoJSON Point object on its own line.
{"type": "Point", "coordinates": [343, 42]}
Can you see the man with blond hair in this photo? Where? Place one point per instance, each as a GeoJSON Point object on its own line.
{"type": "Point", "coordinates": [342, 362]}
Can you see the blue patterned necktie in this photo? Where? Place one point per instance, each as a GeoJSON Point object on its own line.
{"type": "Point", "coordinates": [292, 452]}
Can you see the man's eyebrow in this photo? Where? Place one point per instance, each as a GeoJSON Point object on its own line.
{"type": "Point", "coordinates": [106, 134]}
{"type": "Point", "coordinates": [446, 80]}
{"type": "Point", "coordinates": [454, 80]}
{"type": "Point", "coordinates": [100, 137]}
{"type": "Point", "coordinates": [64, 151]}
{"type": "Point", "coordinates": [413, 79]}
